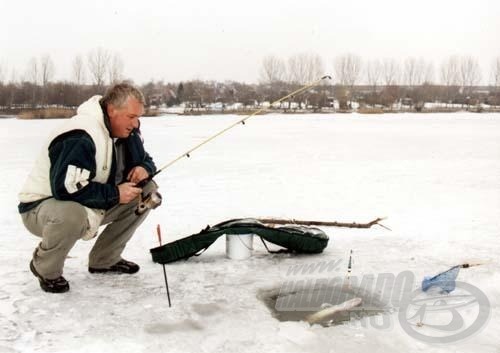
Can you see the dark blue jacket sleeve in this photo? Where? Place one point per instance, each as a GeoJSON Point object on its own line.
{"type": "Point", "coordinates": [73, 166]}
{"type": "Point", "coordinates": [138, 155]}
{"type": "Point", "coordinates": [148, 164]}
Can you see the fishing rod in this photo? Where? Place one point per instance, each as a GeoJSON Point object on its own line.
{"type": "Point", "coordinates": [153, 200]}
{"type": "Point", "coordinates": [241, 121]}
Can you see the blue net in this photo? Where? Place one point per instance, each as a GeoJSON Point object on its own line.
{"type": "Point", "coordinates": [445, 280]}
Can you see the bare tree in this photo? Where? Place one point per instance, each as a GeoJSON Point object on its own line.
{"type": "Point", "coordinates": [495, 73]}
{"type": "Point", "coordinates": [32, 76]}
{"type": "Point", "coordinates": [296, 68]}
{"type": "Point", "coordinates": [348, 69]}
{"type": "Point", "coordinates": [304, 68]}
{"type": "Point", "coordinates": [13, 81]}
{"type": "Point", "coordinates": [469, 73]}
{"type": "Point", "coordinates": [316, 68]}
{"type": "Point", "coordinates": [374, 73]}
{"type": "Point", "coordinates": [273, 70]}
{"type": "Point", "coordinates": [450, 75]}
{"type": "Point", "coordinates": [32, 71]}
{"type": "Point", "coordinates": [79, 78]}
{"type": "Point", "coordinates": [449, 71]}
{"type": "Point", "coordinates": [46, 74]}
{"type": "Point", "coordinates": [410, 71]}
{"type": "Point", "coordinates": [14, 77]}
{"type": "Point", "coordinates": [46, 69]}
{"type": "Point", "coordinates": [429, 72]}
{"type": "Point", "coordinates": [98, 62]}
{"type": "Point", "coordinates": [78, 70]}
{"type": "Point", "coordinates": [390, 72]}
{"type": "Point", "coordinates": [115, 71]}
{"type": "Point", "coordinates": [417, 75]}
{"type": "Point", "coordinates": [2, 74]}
{"type": "Point", "coordinates": [417, 72]}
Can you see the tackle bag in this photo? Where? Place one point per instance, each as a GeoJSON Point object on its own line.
{"type": "Point", "coordinates": [299, 239]}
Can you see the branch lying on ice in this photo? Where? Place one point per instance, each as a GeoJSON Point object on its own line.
{"type": "Point", "coordinates": [320, 223]}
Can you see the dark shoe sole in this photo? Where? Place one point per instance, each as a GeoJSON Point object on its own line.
{"type": "Point", "coordinates": [46, 285]}
{"type": "Point", "coordinates": [109, 270]}
{"type": "Point", "coordinates": [102, 270]}
{"type": "Point", "coordinates": [122, 266]}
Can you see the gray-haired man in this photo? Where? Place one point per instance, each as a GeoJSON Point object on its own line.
{"type": "Point", "coordinates": [86, 176]}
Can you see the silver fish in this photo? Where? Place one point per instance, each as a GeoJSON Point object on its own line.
{"type": "Point", "coordinates": [326, 314]}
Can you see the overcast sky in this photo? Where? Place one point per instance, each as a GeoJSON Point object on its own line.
{"type": "Point", "coordinates": [226, 40]}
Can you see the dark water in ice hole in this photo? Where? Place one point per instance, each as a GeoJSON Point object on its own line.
{"type": "Point", "coordinates": [296, 304]}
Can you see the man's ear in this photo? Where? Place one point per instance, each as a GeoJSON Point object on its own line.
{"type": "Point", "coordinates": [110, 110]}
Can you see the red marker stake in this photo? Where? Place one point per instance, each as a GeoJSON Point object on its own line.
{"type": "Point", "coordinates": [158, 231]}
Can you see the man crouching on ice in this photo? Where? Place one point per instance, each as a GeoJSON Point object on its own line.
{"type": "Point", "coordinates": [85, 177]}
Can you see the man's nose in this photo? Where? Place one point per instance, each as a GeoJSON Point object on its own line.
{"type": "Point", "coordinates": [136, 123]}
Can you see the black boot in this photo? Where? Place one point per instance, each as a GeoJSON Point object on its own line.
{"type": "Point", "coordinates": [122, 266]}
{"type": "Point", "coordinates": [57, 285]}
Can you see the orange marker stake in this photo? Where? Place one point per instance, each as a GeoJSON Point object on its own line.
{"type": "Point", "coordinates": [158, 232]}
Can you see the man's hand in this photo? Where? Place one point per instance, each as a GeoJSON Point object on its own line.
{"type": "Point", "coordinates": [128, 192]}
{"type": "Point", "coordinates": [137, 174]}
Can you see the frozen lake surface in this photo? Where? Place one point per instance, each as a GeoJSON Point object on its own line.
{"type": "Point", "coordinates": [435, 177]}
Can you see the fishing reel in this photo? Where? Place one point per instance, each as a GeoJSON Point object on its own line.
{"type": "Point", "coordinates": [149, 201]}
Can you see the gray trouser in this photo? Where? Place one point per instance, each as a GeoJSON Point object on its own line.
{"type": "Point", "coordinates": [61, 223]}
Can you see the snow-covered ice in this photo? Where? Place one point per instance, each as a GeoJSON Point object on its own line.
{"type": "Point", "coordinates": [436, 178]}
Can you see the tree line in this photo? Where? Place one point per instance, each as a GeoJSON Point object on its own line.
{"type": "Point", "coordinates": [384, 82]}
{"type": "Point", "coordinates": [368, 83]}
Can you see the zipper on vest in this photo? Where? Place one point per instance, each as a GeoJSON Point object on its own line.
{"type": "Point", "coordinates": [105, 166]}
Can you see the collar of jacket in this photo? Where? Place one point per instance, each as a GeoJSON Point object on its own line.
{"type": "Point", "coordinates": [106, 118]}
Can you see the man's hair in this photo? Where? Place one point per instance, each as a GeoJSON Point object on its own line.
{"type": "Point", "coordinates": [118, 94]}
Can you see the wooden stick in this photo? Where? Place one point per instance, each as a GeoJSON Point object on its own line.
{"type": "Point", "coordinates": [321, 223]}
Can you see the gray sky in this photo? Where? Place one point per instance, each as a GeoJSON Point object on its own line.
{"type": "Point", "coordinates": [222, 39]}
